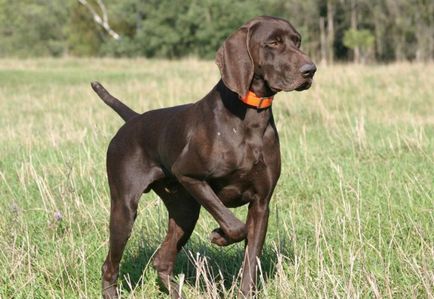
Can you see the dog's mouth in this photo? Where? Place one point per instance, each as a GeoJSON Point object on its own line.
{"type": "Point", "coordinates": [275, 89]}
{"type": "Point", "coordinates": [304, 85]}
{"type": "Point", "coordinates": [298, 85]}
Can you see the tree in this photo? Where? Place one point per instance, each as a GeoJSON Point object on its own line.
{"type": "Point", "coordinates": [424, 21]}
{"type": "Point", "coordinates": [359, 39]}
{"type": "Point", "coordinates": [352, 35]}
{"type": "Point", "coordinates": [32, 28]}
{"type": "Point", "coordinates": [83, 37]}
{"type": "Point", "coordinates": [102, 18]}
{"type": "Point", "coordinates": [330, 30]}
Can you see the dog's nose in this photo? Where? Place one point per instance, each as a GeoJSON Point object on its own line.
{"type": "Point", "coordinates": [308, 70]}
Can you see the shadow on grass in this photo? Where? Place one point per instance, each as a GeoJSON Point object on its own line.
{"type": "Point", "coordinates": [222, 261]}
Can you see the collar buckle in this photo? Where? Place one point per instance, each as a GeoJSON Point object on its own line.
{"type": "Point", "coordinates": [252, 99]}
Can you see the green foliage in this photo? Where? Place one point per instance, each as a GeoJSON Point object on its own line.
{"type": "Point", "coordinates": [172, 29]}
{"type": "Point", "coordinates": [161, 29]}
{"type": "Point", "coordinates": [83, 37]}
{"type": "Point", "coordinates": [358, 38]}
{"type": "Point", "coordinates": [32, 28]}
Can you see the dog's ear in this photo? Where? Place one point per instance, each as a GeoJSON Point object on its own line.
{"type": "Point", "coordinates": [235, 62]}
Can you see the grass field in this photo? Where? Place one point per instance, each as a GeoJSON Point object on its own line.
{"type": "Point", "coordinates": [351, 217]}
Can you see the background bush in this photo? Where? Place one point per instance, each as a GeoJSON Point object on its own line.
{"type": "Point", "coordinates": [397, 29]}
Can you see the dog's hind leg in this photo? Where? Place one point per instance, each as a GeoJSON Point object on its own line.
{"type": "Point", "coordinates": [128, 179]}
{"type": "Point", "coordinates": [183, 214]}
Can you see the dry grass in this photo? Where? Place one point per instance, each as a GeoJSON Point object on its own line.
{"type": "Point", "coordinates": [352, 216]}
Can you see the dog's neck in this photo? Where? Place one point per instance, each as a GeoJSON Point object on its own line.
{"type": "Point", "coordinates": [260, 87]}
{"type": "Point", "coordinates": [250, 116]}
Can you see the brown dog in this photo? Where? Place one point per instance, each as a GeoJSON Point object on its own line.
{"type": "Point", "coordinates": [220, 152]}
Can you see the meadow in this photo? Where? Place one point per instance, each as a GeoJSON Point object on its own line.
{"type": "Point", "coordinates": [351, 217]}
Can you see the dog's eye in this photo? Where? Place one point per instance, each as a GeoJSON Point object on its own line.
{"type": "Point", "coordinates": [274, 43]}
{"type": "Point", "coordinates": [297, 41]}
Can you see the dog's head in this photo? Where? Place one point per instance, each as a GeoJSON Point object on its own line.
{"type": "Point", "coordinates": [269, 48]}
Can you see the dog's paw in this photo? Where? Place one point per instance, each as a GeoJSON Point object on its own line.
{"type": "Point", "coordinates": [219, 238]}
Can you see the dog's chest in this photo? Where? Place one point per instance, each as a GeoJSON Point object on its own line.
{"type": "Point", "coordinates": [240, 172]}
{"type": "Point", "coordinates": [241, 186]}
{"type": "Point", "coordinates": [235, 154]}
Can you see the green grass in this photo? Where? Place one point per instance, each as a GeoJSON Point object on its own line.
{"type": "Point", "coordinates": [352, 215]}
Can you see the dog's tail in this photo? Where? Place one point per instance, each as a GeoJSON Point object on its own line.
{"type": "Point", "coordinates": [123, 110]}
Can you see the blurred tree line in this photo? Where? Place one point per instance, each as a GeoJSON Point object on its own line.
{"type": "Point", "coordinates": [358, 30]}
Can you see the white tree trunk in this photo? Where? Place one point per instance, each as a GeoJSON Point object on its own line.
{"type": "Point", "coordinates": [100, 20]}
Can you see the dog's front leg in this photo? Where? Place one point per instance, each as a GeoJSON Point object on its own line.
{"type": "Point", "coordinates": [233, 229]}
{"type": "Point", "coordinates": [257, 221]}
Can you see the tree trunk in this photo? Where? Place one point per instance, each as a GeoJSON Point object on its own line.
{"type": "Point", "coordinates": [330, 31]}
{"type": "Point", "coordinates": [399, 49]}
{"type": "Point", "coordinates": [379, 33]}
{"type": "Point", "coordinates": [102, 19]}
{"type": "Point", "coordinates": [323, 40]}
{"type": "Point", "coordinates": [354, 26]}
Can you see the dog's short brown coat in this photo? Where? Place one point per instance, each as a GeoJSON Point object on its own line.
{"type": "Point", "coordinates": [216, 153]}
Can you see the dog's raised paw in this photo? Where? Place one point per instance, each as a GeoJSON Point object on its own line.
{"type": "Point", "coordinates": [219, 238]}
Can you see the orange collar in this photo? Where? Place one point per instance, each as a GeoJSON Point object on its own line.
{"type": "Point", "coordinates": [252, 99]}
